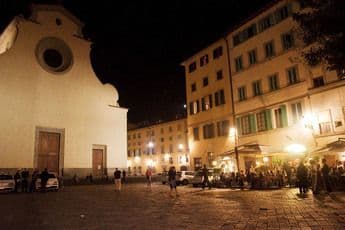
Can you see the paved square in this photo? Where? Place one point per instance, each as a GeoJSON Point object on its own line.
{"type": "Point", "coordinates": [136, 207]}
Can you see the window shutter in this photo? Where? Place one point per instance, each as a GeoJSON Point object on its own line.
{"type": "Point", "coordinates": [197, 106]}
{"type": "Point", "coordinates": [191, 108]}
{"type": "Point", "coordinates": [216, 98]}
{"type": "Point", "coordinates": [203, 106]}
{"type": "Point", "coordinates": [210, 100]}
{"type": "Point", "coordinates": [252, 123]}
{"type": "Point", "coordinates": [284, 116]}
{"type": "Point", "coordinates": [268, 119]}
{"type": "Point", "coordinates": [239, 128]}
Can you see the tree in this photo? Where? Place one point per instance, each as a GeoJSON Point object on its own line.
{"type": "Point", "coordinates": [322, 28]}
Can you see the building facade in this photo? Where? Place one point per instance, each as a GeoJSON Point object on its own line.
{"type": "Point", "coordinates": [158, 146]}
{"type": "Point", "coordinates": [280, 107]}
{"type": "Point", "coordinates": [56, 113]}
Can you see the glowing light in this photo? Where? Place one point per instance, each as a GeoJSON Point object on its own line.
{"type": "Point", "coordinates": [129, 163]}
{"type": "Point", "coordinates": [150, 144]}
{"type": "Point", "coordinates": [214, 163]}
{"type": "Point", "coordinates": [343, 156]}
{"type": "Point", "coordinates": [226, 158]}
{"type": "Point", "coordinates": [309, 120]}
{"type": "Point", "coordinates": [136, 159]}
{"type": "Point", "coordinates": [183, 159]}
{"type": "Point", "coordinates": [265, 159]}
{"type": "Point", "coordinates": [180, 146]}
{"type": "Point", "coordinates": [296, 148]}
{"type": "Point", "coordinates": [149, 162]}
{"type": "Point", "coordinates": [232, 132]}
{"type": "Point", "coordinates": [166, 157]}
{"type": "Point", "coordinates": [257, 163]}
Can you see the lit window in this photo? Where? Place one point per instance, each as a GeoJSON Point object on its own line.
{"type": "Point", "coordinates": [204, 60]}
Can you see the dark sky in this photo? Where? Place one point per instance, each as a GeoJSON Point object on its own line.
{"type": "Point", "coordinates": [138, 45]}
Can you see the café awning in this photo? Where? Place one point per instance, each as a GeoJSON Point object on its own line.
{"type": "Point", "coordinates": [335, 146]}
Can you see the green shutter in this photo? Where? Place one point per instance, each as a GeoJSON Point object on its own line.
{"type": "Point", "coordinates": [284, 115]}
{"type": "Point", "coordinates": [268, 119]}
{"type": "Point", "coordinates": [252, 123]}
{"type": "Point", "coordinates": [239, 127]}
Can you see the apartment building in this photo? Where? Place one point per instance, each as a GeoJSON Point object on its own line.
{"type": "Point", "coordinates": [280, 108]}
{"type": "Point", "coordinates": [158, 146]}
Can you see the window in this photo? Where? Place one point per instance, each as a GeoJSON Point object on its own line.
{"type": "Point", "coordinates": [219, 97]}
{"type": "Point", "coordinates": [134, 136]}
{"type": "Point", "coordinates": [318, 82]}
{"type": "Point", "coordinates": [170, 129]}
{"type": "Point", "coordinates": [238, 63]}
{"type": "Point", "coordinates": [204, 60]}
{"type": "Point", "coordinates": [194, 107]}
{"type": "Point", "coordinates": [192, 67]}
{"type": "Point", "coordinates": [325, 127]}
{"type": "Point", "coordinates": [208, 131]}
{"type": "Point", "coordinates": [162, 139]}
{"type": "Point", "coordinates": [257, 88]}
{"type": "Point", "coordinates": [220, 75]}
{"type": "Point", "coordinates": [162, 149]}
{"type": "Point", "coordinates": [193, 87]}
{"type": "Point", "coordinates": [217, 52]}
{"type": "Point", "coordinates": [266, 22]}
{"type": "Point", "coordinates": [296, 111]}
{"type": "Point", "coordinates": [205, 81]}
{"type": "Point", "coordinates": [261, 121]}
{"type": "Point", "coordinates": [273, 81]}
{"type": "Point", "coordinates": [197, 163]}
{"type": "Point", "coordinates": [282, 13]}
{"type": "Point", "coordinates": [223, 128]}
{"type": "Point", "coordinates": [244, 34]}
{"type": "Point", "coordinates": [170, 138]}
{"type": "Point", "coordinates": [287, 40]}
{"type": "Point", "coordinates": [162, 130]}
{"type": "Point", "coordinates": [139, 135]}
{"type": "Point", "coordinates": [129, 137]}
{"type": "Point", "coordinates": [242, 93]}
{"type": "Point", "coordinates": [171, 148]}
{"type": "Point", "coordinates": [179, 127]}
{"type": "Point", "coordinates": [245, 125]}
{"type": "Point", "coordinates": [292, 75]}
{"type": "Point", "coordinates": [269, 49]}
{"type": "Point", "coordinates": [341, 74]}
{"type": "Point", "coordinates": [252, 57]}
{"type": "Point", "coordinates": [278, 114]}
{"type": "Point", "coordinates": [206, 103]}
{"type": "Point", "coordinates": [196, 133]}
{"type": "Point", "coordinates": [324, 118]}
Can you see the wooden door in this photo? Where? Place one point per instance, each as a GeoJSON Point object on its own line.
{"type": "Point", "coordinates": [97, 162]}
{"type": "Point", "coordinates": [48, 151]}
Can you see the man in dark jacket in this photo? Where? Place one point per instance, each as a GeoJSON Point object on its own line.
{"type": "Point", "coordinates": [325, 175]}
{"type": "Point", "coordinates": [205, 178]}
{"type": "Point", "coordinates": [44, 179]}
{"type": "Point", "coordinates": [302, 178]}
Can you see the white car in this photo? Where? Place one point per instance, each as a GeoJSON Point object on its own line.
{"type": "Point", "coordinates": [6, 183]}
{"type": "Point", "coordinates": [52, 183]}
{"type": "Point", "coordinates": [184, 177]}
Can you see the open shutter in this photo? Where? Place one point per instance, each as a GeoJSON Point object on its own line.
{"type": "Point", "coordinates": [284, 115]}
{"type": "Point", "coordinates": [268, 119]}
{"type": "Point", "coordinates": [252, 123]}
{"type": "Point", "coordinates": [239, 127]}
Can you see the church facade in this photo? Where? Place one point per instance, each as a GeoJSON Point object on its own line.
{"type": "Point", "coordinates": [56, 113]}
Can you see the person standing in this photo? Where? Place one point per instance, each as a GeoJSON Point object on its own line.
{"type": "Point", "coordinates": [44, 179]}
{"type": "Point", "coordinates": [172, 180]}
{"type": "Point", "coordinates": [25, 180]}
{"type": "Point", "coordinates": [302, 178]}
{"type": "Point", "coordinates": [33, 181]}
{"type": "Point", "coordinates": [325, 175]}
{"type": "Point", "coordinates": [117, 179]}
{"type": "Point", "coordinates": [205, 178]}
{"type": "Point", "coordinates": [124, 176]}
{"type": "Point", "coordinates": [149, 177]}
{"type": "Point", "coordinates": [16, 180]}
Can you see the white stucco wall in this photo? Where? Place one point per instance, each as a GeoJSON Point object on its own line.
{"type": "Point", "coordinates": [75, 100]}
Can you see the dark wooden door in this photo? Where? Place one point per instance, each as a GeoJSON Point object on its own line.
{"type": "Point", "coordinates": [48, 151]}
{"type": "Point", "coordinates": [97, 162]}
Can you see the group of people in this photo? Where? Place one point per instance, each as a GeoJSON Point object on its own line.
{"type": "Point", "coordinates": [117, 178]}
{"type": "Point", "coordinates": [23, 182]}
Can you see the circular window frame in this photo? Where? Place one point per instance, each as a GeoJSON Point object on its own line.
{"type": "Point", "coordinates": [61, 47]}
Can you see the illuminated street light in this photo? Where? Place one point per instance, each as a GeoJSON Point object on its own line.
{"type": "Point", "coordinates": [180, 146]}
{"type": "Point", "coordinates": [150, 144]}
{"type": "Point", "coordinates": [265, 159]}
{"type": "Point", "coordinates": [296, 149]}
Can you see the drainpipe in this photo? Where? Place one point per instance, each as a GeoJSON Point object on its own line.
{"type": "Point", "coordinates": [232, 102]}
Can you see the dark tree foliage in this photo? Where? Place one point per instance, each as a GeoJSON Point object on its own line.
{"type": "Point", "coordinates": [322, 28]}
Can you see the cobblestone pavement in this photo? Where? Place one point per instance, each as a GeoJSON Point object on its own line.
{"type": "Point", "coordinates": [136, 207]}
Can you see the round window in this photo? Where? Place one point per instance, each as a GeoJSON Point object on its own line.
{"type": "Point", "coordinates": [54, 55]}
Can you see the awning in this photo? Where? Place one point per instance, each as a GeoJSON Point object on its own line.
{"type": "Point", "coordinates": [336, 146]}
{"type": "Point", "coordinates": [248, 148]}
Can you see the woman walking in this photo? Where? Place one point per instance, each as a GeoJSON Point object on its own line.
{"type": "Point", "coordinates": [172, 180]}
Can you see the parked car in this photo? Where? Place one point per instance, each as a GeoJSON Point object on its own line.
{"type": "Point", "coordinates": [213, 175]}
{"type": "Point", "coordinates": [6, 183]}
{"type": "Point", "coordinates": [52, 183]}
{"type": "Point", "coordinates": [164, 177]}
{"type": "Point", "coordinates": [183, 177]}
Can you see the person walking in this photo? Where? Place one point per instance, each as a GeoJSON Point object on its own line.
{"type": "Point", "coordinates": [325, 176]}
{"type": "Point", "coordinates": [205, 178]}
{"type": "Point", "coordinates": [124, 176]}
{"type": "Point", "coordinates": [302, 178]}
{"type": "Point", "coordinates": [117, 179]}
{"type": "Point", "coordinates": [149, 177]}
{"type": "Point", "coordinates": [172, 180]}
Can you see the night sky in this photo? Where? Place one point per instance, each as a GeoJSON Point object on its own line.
{"type": "Point", "coordinates": [138, 45]}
